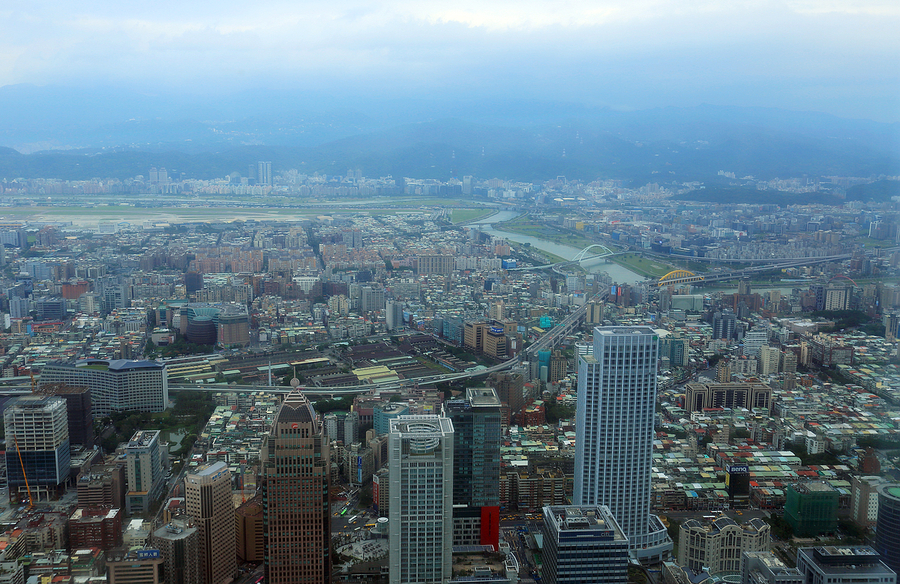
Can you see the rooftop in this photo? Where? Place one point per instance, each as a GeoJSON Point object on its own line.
{"type": "Point", "coordinates": [482, 397]}
{"type": "Point", "coordinates": [210, 469]}
{"type": "Point", "coordinates": [583, 518]}
{"type": "Point", "coordinates": [625, 330]}
{"type": "Point", "coordinates": [845, 559]}
{"type": "Point", "coordinates": [142, 438]}
{"type": "Point", "coordinates": [814, 487]}
{"type": "Point", "coordinates": [295, 409]}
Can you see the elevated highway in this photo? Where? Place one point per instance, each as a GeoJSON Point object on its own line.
{"type": "Point", "coordinates": [676, 277]}
{"type": "Point", "coordinates": [547, 341]}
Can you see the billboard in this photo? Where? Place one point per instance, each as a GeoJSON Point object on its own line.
{"type": "Point", "coordinates": [147, 554]}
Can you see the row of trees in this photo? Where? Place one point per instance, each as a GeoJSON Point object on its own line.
{"type": "Point", "coordinates": [191, 412]}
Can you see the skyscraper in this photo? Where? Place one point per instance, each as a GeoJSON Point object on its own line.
{"type": "Point", "coordinates": [510, 387]}
{"type": "Point", "coordinates": [420, 463]}
{"type": "Point", "coordinates": [80, 412]}
{"type": "Point", "coordinates": [207, 493]}
{"type": "Point", "coordinates": [294, 464]}
{"type": "Point", "coordinates": [146, 480]}
{"type": "Point", "coordinates": [614, 429]}
{"type": "Point", "coordinates": [887, 526]}
{"type": "Point", "coordinates": [179, 544]}
{"type": "Point", "coordinates": [476, 467]}
{"type": "Point", "coordinates": [263, 173]}
{"type": "Point", "coordinates": [583, 544]}
{"type": "Point", "coordinates": [37, 451]}
{"type": "Point", "coordinates": [724, 324]}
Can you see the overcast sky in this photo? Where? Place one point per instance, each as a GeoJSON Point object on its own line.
{"type": "Point", "coordinates": [835, 56]}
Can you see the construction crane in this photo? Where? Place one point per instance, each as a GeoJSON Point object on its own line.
{"type": "Point", "coordinates": [24, 474]}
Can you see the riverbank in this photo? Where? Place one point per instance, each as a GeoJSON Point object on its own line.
{"type": "Point", "coordinates": [524, 225]}
{"type": "Point", "coordinates": [639, 265]}
{"type": "Point", "coordinates": [553, 251]}
{"type": "Point", "coordinates": [462, 216]}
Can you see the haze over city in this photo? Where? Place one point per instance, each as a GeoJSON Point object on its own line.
{"type": "Point", "coordinates": [836, 57]}
{"type": "Point", "coordinates": [450, 293]}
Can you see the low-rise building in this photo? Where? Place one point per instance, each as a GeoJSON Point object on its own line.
{"type": "Point", "coordinates": [717, 546]}
{"type": "Point", "coordinates": [765, 568]}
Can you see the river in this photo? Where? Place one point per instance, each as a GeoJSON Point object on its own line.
{"type": "Point", "coordinates": [619, 274]}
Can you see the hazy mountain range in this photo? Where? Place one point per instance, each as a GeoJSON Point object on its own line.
{"type": "Point", "coordinates": [79, 134]}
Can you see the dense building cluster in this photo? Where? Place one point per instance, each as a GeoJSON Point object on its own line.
{"type": "Point", "coordinates": [391, 402]}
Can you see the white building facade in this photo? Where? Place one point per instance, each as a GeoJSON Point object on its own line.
{"type": "Point", "coordinates": [420, 463]}
{"type": "Point", "coordinates": [117, 385]}
{"type": "Point", "coordinates": [614, 428]}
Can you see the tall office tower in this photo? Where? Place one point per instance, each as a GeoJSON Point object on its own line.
{"type": "Point", "coordinates": [207, 493]}
{"type": "Point", "coordinates": [818, 291]}
{"type": "Point", "coordinates": [724, 324]}
{"type": "Point", "coordinates": [838, 297]}
{"type": "Point", "coordinates": [393, 315]}
{"type": "Point", "coordinates": [467, 185]}
{"type": "Point", "coordinates": [510, 387]}
{"type": "Point", "coordinates": [178, 541]}
{"type": "Point", "coordinates": [144, 459]}
{"type": "Point", "coordinates": [891, 324]}
{"type": "Point", "coordinates": [583, 544]}
{"type": "Point", "coordinates": [614, 425]}
{"type": "Point", "coordinates": [19, 307]}
{"type": "Point", "coordinates": [769, 359]}
{"type": "Point", "coordinates": [371, 299]}
{"type": "Point", "coordinates": [864, 500]}
{"type": "Point", "coordinates": [476, 467]}
{"type": "Point", "coordinates": [351, 428]}
{"type": "Point", "coordinates": [37, 446]}
{"type": "Point", "coordinates": [754, 341]}
{"type": "Point", "coordinates": [420, 466]}
{"type": "Point", "coordinates": [887, 526]}
{"type": "Point", "coordinates": [193, 281]}
{"type": "Point", "coordinates": [294, 467]}
{"type": "Point", "coordinates": [80, 412]}
{"type": "Point", "coordinates": [249, 531]}
{"type": "Point", "coordinates": [264, 173]}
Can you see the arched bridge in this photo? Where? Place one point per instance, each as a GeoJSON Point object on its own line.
{"type": "Point", "coordinates": [678, 277]}
{"type": "Point", "coordinates": [579, 257]}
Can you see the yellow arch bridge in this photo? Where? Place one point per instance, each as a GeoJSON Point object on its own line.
{"type": "Point", "coordinates": [678, 277]}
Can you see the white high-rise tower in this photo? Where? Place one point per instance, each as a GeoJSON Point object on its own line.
{"type": "Point", "coordinates": [614, 429]}
{"type": "Point", "coordinates": [420, 467]}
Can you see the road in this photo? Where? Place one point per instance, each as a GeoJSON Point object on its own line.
{"type": "Point", "coordinates": [549, 339]}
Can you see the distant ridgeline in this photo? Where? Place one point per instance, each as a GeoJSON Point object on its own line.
{"type": "Point", "coordinates": [878, 191]}
{"type": "Point", "coordinates": [656, 146]}
{"type": "Point", "coordinates": [731, 195]}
